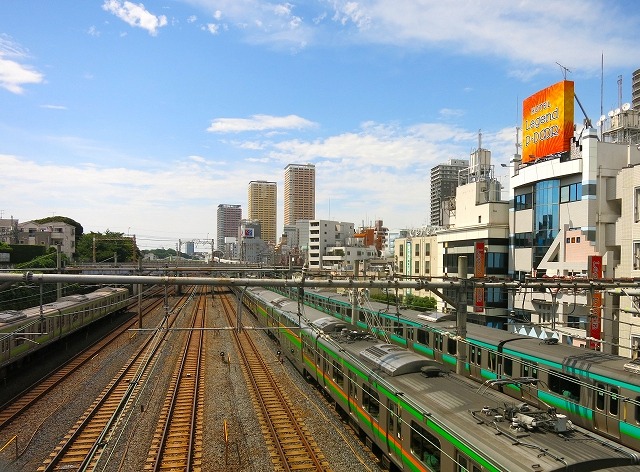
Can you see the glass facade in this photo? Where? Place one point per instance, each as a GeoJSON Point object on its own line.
{"type": "Point", "coordinates": [546, 217]}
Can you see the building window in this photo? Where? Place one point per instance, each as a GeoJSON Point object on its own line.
{"type": "Point", "coordinates": [401, 252]}
{"type": "Point", "coordinates": [427, 269]}
{"type": "Point", "coordinates": [571, 193]}
{"type": "Point", "coordinates": [417, 249]}
{"type": "Point", "coordinates": [636, 255]}
{"type": "Point", "coordinates": [546, 218]}
{"type": "Point", "coordinates": [417, 267]}
{"type": "Point", "coordinates": [636, 204]}
{"type": "Point", "coordinates": [427, 249]}
{"type": "Point", "coordinates": [523, 202]}
{"type": "Point", "coordinates": [523, 240]}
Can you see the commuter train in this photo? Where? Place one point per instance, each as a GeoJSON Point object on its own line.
{"type": "Point", "coordinates": [24, 331]}
{"type": "Point", "coordinates": [595, 390]}
{"type": "Point", "coordinates": [418, 415]}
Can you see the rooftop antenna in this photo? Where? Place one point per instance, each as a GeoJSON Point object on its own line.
{"type": "Point", "coordinates": [479, 139]}
{"type": "Point", "coordinates": [587, 120]}
{"type": "Point", "coordinates": [564, 70]}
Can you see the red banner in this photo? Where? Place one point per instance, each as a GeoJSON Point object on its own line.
{"type": "Point", "coordinates": [478, 299]}
{"type": "Point", "coordinates": [479, 258]}
{"type": "Point", "coordinates": [595, 325]}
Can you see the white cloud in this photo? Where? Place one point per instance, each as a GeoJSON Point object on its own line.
{"type": "Point", "coordinates": [13, 74]}
{"type": "Point", "coordinates": [93, 31]}
{"type": "Point", "coordinates": [258, 123]}
{"type": "Point", "coordinates": [54, 107]}
{"type": "Point", "coordinates": [212, 28]}
{"type": "Point", "coordinates": [135, 15]}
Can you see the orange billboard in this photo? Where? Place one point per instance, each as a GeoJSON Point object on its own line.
{"type": "Point", "coordinates": [547, 121]}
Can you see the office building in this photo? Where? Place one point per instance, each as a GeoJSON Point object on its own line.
{"type": "Point", "coordinates": [299, 193]}
{"type": "Point", "coordinates": [444, 181]}
{"type": "Point", "coordinates": [228, 221]}
{"type": "Point", "coordinates": [262, 206]}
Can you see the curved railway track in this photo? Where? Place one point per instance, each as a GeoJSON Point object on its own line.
{"type": "Point", "coordinates": [177, 443]}
{"type": "Point", "coordinates": [12, 409]}
{"type": "Point", "coordinates": [82, 446]}
{"type": "Point", "coordinates": [290, 444]}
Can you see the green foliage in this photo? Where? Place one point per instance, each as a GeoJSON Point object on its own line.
{"type": "Point", "coordinates": [420, 303]}
{"type": "Point", "coordinates": [46, 261]}
{"type": "Point", "coordinates": [106, 245]}
{"type": "Point", "coordinates": [23, 253]}
{"type": "Point", "coordinates": [385, 297]}
{"type": "Point", "coordinates": [20, 296]}
{"type": "Point", "coordinates": [4, 247]}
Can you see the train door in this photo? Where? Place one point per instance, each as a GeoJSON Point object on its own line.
{"type": "Point", "coordinates": [325, 370]}
{"type": "Point", "coordinates": [394, 430]}
{"type": "Point", "coordinates": [607, 410]}
{"type": "Point", "coordinates": [475, 361]}
{"type": "Point", "coordinates": [353, 395]}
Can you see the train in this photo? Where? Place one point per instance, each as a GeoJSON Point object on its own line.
{"type": "Point", "coordinates": [22, 332]}
{"type": "Point", "coordinates": [597, 391]}
{"type": "Point", "coordinates": [415, 412]}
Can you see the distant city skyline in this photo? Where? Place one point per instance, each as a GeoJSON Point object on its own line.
{"type": "Point", "coordinates": [143, 118]}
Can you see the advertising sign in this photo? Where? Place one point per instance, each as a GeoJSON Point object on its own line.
{"type": "Point", "coordinates": [595, 325]}
{"type": "Point", "coordinates": [479, 258]}
{"type": "Point", "coordinates": [248, 232]}
{"type": "Point", "coordinates": [547, 121]}
{"type": "Point", "coordinates": [478, 299]}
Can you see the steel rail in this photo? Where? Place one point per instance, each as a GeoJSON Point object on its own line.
{"type": "Point", "coordinates": [289, 459]}
{"type": "Point", "coordinates": [115, 401]}
{"type": "Point", "coordinates": [175, 419]}
{"type": "Point", "coordinates": [25, 399]}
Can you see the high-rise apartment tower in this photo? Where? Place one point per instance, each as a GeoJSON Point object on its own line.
{"type": "Point", "coordinates": [262, 200]}
{"type": "Point", "coordinates": [228, 221]}
{"type": "Point", "coordinates": [299, 193]}
{"type": "Point", "coordinates": [444, 181]}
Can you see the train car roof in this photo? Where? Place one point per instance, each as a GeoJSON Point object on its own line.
{"type": "Point", "coordinates": [507, 431]}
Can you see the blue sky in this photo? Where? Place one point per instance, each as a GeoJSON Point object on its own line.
{"type": "Point", "coordinates": [142, 118]}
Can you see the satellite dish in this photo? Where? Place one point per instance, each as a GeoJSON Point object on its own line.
{"type": "Point", "coordinates": [626, 106]}
{"type": "Point", "coordinates": [610, 114]}
{"type": "Point", "coordinates": [616, 111]}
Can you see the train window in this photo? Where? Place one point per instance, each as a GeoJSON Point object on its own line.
{"type": "Point", "coordinates": [423, 336]}
{"type": "Point", "coordinates": [600, 396]}
{"type": "Point", "coordinates": [337, 374]}
{"type": "Point", "coordinates": [507, 365]}
{"type": "Point", "coordinates": [425, 446]}
{"type": "Point", "coordinates": [566, 386]}
{"type": "Point", "coordinates": [476, 355]}
{"type": "Point", "coordinates": [614, 401]}
{"type": "Point", "coordinates": [466, 465]}
{"type": "Point", "coordinates": [397, 328]}
{"type": "Point", "coordinates": [438, 341]}
{"type": "Point", "coordinates": [452, 346]}
{"type": "Point", "coordinates": [353, 386]}
{"type": "Point", "coordinates": [370, 400]}
{"type": "Point", "coordinates": [529, 370]}
{"type": "Point", "coordinates": [637, 404]}
{"type": "Point", "coordinates": [493, 361]}
{"type": "Point", "coordinates": [393, 418]}
{"type": "Point", "coordinates": [409, 333]}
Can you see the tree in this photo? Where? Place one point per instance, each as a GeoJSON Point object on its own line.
{"type": "Point", "coordinates": [106, 245]}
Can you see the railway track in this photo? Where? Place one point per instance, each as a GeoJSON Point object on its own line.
{"type": "Point", "coordinates": [291, 446]}
{"type": "Point", "coordinates": [177, 442]}
{"type": "Point", "coordinates": [14, 408]}
{"type": "Point", "coordinates": [82, 447]}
